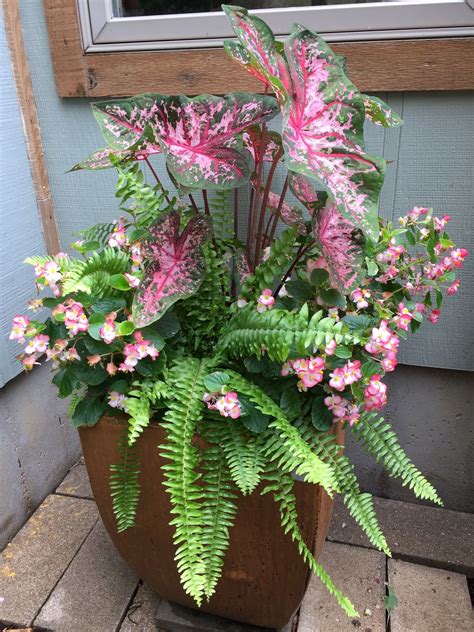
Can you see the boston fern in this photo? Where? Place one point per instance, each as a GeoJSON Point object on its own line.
{"type": "Point", "coordinates": [246, 318]}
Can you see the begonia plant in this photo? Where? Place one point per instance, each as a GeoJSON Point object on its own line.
{"type": "Point", "coordinates": [254, 315]}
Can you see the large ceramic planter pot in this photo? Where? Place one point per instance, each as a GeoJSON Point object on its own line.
{"type": "Point", "coordinates": [264, 578]}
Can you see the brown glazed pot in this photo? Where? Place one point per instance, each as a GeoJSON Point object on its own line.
{"type": "Point", "coordinates": [264, 578]}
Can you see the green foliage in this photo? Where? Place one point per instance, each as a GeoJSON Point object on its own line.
{"type": "Point", "coordinates": [360, 504]}
{"type": "Point", "coordinates": [124, 485]}
{"type": "Point", "coordinates": [144, 202]}
{"type": "Point", "coordinates": [244, 455]}
{"type": "Point", "coordinates": [92, 275]}
{"type": "Point", "coordinates": [281, 486]}
{"type": "Point", "coordinates": [286, 446]}
{"type": "Point", "coordinates": [222, 215]}
{"type": "Point", "coordinates": [378, 439]}
{"type": "Point", "coordinates": [181, 477]}
{"type": "Point", "coordinates": [279, 332]}
{"type": "Point", "coordinates": [138, 409]}
{"type": "Point", "coordinates": [99, 232]}
{"type": "Point", "coordinates": [278, 261]}
{"type": "Point", "coordinates": [203, 315]}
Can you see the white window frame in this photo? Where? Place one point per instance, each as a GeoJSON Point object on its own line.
{"type": "Point", "coordinates": [102, 31]}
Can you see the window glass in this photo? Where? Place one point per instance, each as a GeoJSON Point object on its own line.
{"type": "Point", "coordinates": [136, 8]}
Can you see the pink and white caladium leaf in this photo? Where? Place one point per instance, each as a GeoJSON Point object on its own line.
{"type": "Point", "coordinates": [200, 136]}
{"type": "Point", "coordinates": [342, 248]}
{"type": "Point", "coordinates": [289, 215]}
{"type": "Point", "coordinates": [106, 158]}
{"type": "Point", "coordinates": [380, 113]}
{"type": "Point", "coordinates": [257, 51]}
{"type": "Point", "coordinates": [323, 130]}
{"type": "Point", "coordinates": [177, 266]}
{"type": "Point", "coordinates": [123, 122]}
{"type": "Point", "coordinates": [304, 189]}
{"type": "Point", "coordinates": [262, 146]}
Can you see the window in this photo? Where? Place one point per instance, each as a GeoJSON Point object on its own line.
{"type": "Point", "coordinates": [104, 48]}
{"type": "Point", "coordinates": [113, 25]}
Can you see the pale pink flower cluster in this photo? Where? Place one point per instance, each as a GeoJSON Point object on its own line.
{"type": "Point", "coordinates": [455, 259]}
{"type": "Point", "coordinates": [137, 351]}
{"type": "Point", "coordinates": [50, 274]}
{"type": "Point", "coordinates": [38, 344]}
{"type": "Point", "coordinates": [346, 375]}
{"type": "Point", "coordinates": [392, 254]}
{"type": "Point", "coordinates": [375, 394]}
{"type": "Point", "coordinates": [118, 238]}
{"type": "Point", "coordinates": [434, 316]}
{"type": "Point", "coordinates": [116, 400]}
{"type": "Point", "coordinates": [453, 288]}
{"type": "Point", "coordinates": [227, 405]}
{"type": "Point", "coordinates": [75, 319]}
{"type": "Point", "coordinates": [342, 409]}
{"type": "Point", "coordinates": [440, 223]}
{"type": "Point", "coordinates": [136, 256]}
{"type": "Point", "coordinates": [265, 300]}
{"type": "Point", "coordinates": [403, 317]}
{"type": "Point", "coordinates": [133, 281]}
{"type": "Point", "coordinates": [360, 296]}
{"type": "Point", "coordinates": [384, 342]}
{"type": "Point", "coordinates": [59, 353]}
{"type": "Point", "coordinates": [108, 331]}
{"type": "Point", "coordinates": [34, 304]}
{"type": "Point", "coordinates": [417, 212]}
{"type": "Point", "coordinates": [308, 370]}
{"type": "Point", "coordinates": [20, 326]}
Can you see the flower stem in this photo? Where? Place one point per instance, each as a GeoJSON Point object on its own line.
{"type": "Point", "coordinates": [158, 181]}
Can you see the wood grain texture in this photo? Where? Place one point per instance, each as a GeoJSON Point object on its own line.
{"type": "Point", "coordinates": [26, 100]}
{"type": "Point", "coordinates": [396, 65]}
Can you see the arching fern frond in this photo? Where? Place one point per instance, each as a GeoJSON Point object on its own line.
{"type": "Point", "coordinates": [181, 477]}
{"type": "Point", "coordinates": [280, 257]}
{"type": "Point", "coordinates": [244, 455]}
{"type": "Point", "coordinates": [359, 504]}
{"type": "Point", "coordinates": [279, 332]}
{"type": "Point", "coordinates": [222, 214]}
{"type": "Point", "coordinates": [281, 486]}
{"type": "Point", "coordinates": [138, 409]}
{"type": "Point", "coordinates": [124, 485]}
{"type": "Point", "coordinates": [99, 232]}
{"type": "Point", "coordinates": [286, 446]}
{"type": "Point", "coordinates": [378, 439]}
{"type": "Point", "coordinates": [92, 275]}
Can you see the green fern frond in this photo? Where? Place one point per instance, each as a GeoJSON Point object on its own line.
{"type": "Point", "coordinates": [244, 455]}
{"type": "Point", "coordinates": [124, 485]}
{"type": "Point", "coordinates": [279, 332]}
{"type": "Point", "coordinates": [99, 232]}
{"type": "Point", "coordinates": [286, 446]}
{"type": "Point", "coordinates": [138, 409]}
{"type": "Point", "coordinates": [181, 477]}
{"type": "Point", "coordinates": [222, 215]}
{"type": "Point", "coordinates": [281, 486]}
{"type": "Point", "coordinates": [219, 506]}
{"type": "Point", "coordinates": [276, 264]}
{"type": "Point", "coordinates": [378, 439]}
{"type": "Point", "coordinates": [92, 275]}
{"type": "Point", "coordinates": [359, 504]}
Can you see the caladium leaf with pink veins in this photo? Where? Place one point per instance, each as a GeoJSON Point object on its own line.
{"type": "Point", "coordinates": [342, 248]}
{"type": "Point", "coordinates": [323, 130]}
{"type": "Point", "coordinates": [257, 51]}
{"type": "Point", "coordinates": [123, 122]}
{"type": "Point", "coordinates": [106, 158]}
{"type": "Point", "coordinates": [289, 215]}
{"type": "Point", "coordinates": [176, 269]}
{"type": "Point", "coordinates": [200, 136]}
{"type": "Point", "coordinates": [380, 113]}
{"type": "Point", "coordinates": [304, 189]}
{"type": "Point", "coordinates": [262, 146]}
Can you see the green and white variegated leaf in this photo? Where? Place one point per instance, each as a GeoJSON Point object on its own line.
{"type": "Point", "coordinates": [380, 113]}
{"type": "Point", "coordinates": [304, 189]}
{"type": "Point", "coordinates": [105, 158]}
{"type": "Point", "coordinates": [323, 131]}
{"type": "Point", "coordinates": [200, 136]}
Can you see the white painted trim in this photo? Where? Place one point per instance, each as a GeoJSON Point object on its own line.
{"type": "Point", "coordinates": [393, 19]}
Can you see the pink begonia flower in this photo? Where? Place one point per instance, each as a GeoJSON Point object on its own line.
{"type": "Point", "coordinates": [93, 359]}
{"type": "Point", "coordinates": [125, 368]}
{"type": "Point", "coordinates": [360, 296]}
{"type": "Point", "coordinates": [241, 303]}
{"type": "Point", "coordinates": [417, 212]}
{"type": "Point", "coordinates": [453, 288]}
{"type": "Point", "coordinates": [308, 370]}
{"type": "Point", "coordinates": [333, 312]}
{"type": "Point", "coordinates": [111, 368]}
{"type": "Point", "coordinates": [458, 255]}
{"type": "Point", "coordinates": [118, 238]}
{"type": "Point", "coordinates": [70, 355]}
{"type": "Point", "coordinates": [403, 221]}
{"type": "Point", "coordinates": [266, 253]}
{"type": "Point", "coordinates": [227, 405]}
{"type": "Point", "coordinates": [375, 394]}
{"type": "Point", "coordinates": [136, 256]}
{"type": "Point", "coordinates": [440, 223]}
{"type": "Point", "coordinates": [52, 272]}
{"type": "Point", "coordinates": [57, 349]}
{"type": "Point", "coordinates": [420, 308]}
{"type": "Point", "coordinates": [19, 326]}
{"type": "Point", "coordinates": [389, 362]}
{"type": "Point", "coordinates": [133, 281]}
{"type": "Point", "coordinates": [434, 316]}
{"type": "Point", "coordinates": [424, 233]}
{"type": "Point", "coordinates": [337, 380]}
{"type": "Point", "coordinates": [352, 415]}
{"type": "Point", "coordinates": [337, 405]}
{"type": "Point", "coordinates": [330, 348]}
{"type": "Point", "coordinates": [265, 300]}
{"type": "Point", "coordinates": [29, 361]}
{"type": "Point", "coordinates": [131, 355]}
{"type": "Point", "coordinates": [352, 372]}
{"type": "Point", "coordinates": [392, 254]}
{"type": "Point", "coordinates": [74, 317]}
{"type": "Point", "coordinates": [38, 344]}
{"type": "Point", "coordinates": [108, 331]}
{"type": "Point", "coordinates": [116, 400]}
{"type": "Point", "coordinates": [403, 317]}
{"type": "Point", "coordinates": [35, 304]}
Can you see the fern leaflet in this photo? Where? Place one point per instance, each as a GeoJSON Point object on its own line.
{"type": "Point", "coordinates": [138, 409]}
{"type": "Point", "coordinates": [124, 486]}
{"type": "Point", "coordinates": [92, 275]}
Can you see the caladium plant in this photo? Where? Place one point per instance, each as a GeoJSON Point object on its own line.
{"type": "Point", "coordinates": [256, 320]}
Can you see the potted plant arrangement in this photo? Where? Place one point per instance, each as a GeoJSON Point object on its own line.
{"type": "Point", "coordinates": [217, 341]}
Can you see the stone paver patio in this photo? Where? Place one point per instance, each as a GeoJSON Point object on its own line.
{"type": "Point", "coordinates": [61, 573]}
